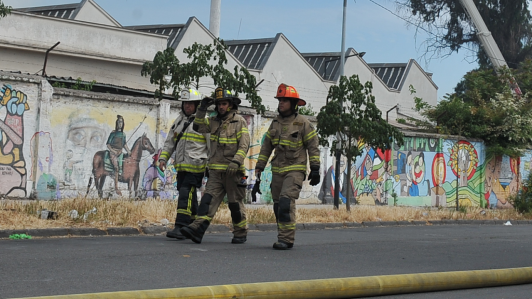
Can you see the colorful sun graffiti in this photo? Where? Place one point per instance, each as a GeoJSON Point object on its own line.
{"type": "Point", "coordinates": [463, 147]}
{"type": "Point", "coordinates": [438, 169]}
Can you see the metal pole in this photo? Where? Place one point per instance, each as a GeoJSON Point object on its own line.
{"type": "Point", "coordinates": [338, 144]}
{"type": "Point", "coordinates": [389, 111]}
{"type": "Point", "coordinates": [46, 58]}
{"type": "Point", "coordinates": [457, 174]}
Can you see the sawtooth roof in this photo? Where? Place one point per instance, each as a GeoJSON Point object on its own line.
{"type": "Point", "coordinates": [253, 53]}
{"type": "Point", "coordinates": [391, 74]}
{"type": "Point", "coordinates": [172, 31]}
{"type": "Point", "coordinates": [327, 64]}
{"type": "Point", "coordinates": [65, 11]}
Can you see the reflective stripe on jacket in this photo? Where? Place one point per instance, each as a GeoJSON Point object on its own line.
{"type": "Point", "coordinates": [192, 150]}
{"type": "Point", "coordinates": [229, 139]}
{"type": "Point", "coordinates": [291, 137]}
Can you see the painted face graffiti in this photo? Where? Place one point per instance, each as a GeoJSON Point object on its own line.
{"type": "Point", "coordinates": [86, 136]}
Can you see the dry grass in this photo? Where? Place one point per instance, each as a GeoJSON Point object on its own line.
{"type": "Point", "coordinates": [16, 214]}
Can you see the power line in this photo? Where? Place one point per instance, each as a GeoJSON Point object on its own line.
{"type": "Point", "coordinates": [393, 13]}
{"type": "Point", "coordinates": [431, 33]}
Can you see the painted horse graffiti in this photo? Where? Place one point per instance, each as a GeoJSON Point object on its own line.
{"type": "Point", "coordinates": [130, 173]}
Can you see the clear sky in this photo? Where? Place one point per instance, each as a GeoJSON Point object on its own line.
{"type": "Point", "coordinates": [311, 25]}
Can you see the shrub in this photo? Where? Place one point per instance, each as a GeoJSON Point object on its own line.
{"type": "Point", "coordinates": [522, 201]}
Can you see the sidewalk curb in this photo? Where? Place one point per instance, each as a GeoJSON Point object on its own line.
{"type": "Point", "coordinates": [220, 228]}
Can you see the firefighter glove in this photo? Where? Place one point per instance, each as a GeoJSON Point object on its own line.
{"type": "Point", "coordinates": [314, 176]}
{"type": "Point", "coordinates": [205, 103]}
{"type": "Point", "coordinates": [232, 168]}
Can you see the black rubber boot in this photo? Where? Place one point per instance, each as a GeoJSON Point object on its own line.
{"type": "Point", "coordinates": [280, 245]}
{"type": "Point", "coordinates": [175, 233]}
{"type": "Point", "coordinates": [240, 240]}
{"type": "Point", "coordinates": [191, 234]}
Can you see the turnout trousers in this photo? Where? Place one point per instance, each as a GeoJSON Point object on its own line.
{"type": "Point", "coordinates": [285, 191]}
{"type": "Point", "coordinates": [218, 185]}
{"type": "Point", "coordinates": [187, 200]}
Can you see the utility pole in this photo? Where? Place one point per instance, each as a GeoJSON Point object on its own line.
{"type": "Point", "coordinates": [338, 139]}
{"type": "Point", "coordinates": [488, 42]}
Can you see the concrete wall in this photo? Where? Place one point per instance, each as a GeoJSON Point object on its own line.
{"type": "Point", "coordinates": [91, 51]}
{"type": "Point", "coordinates": [53, 140]}
{"type": "Point", "coordinates": [286, 65]}
{"type": "Point", "coordinates": [87, 69]}
{"type": "Point", "coordinates": [425, 89]}
{"type": "Point", "coordinates": [197, 33]}
{"type": "Point", "coordinates": [92, 12]}
{"type": "Point", "coordinates": [386, 98]}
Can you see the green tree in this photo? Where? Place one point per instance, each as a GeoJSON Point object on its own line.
{"type": "Point", "coordinates": [509, 21]}
{"type": "Point", "coordinates": [522, 200]}
{"type": "Point", "coordinates": [78, 85]}
{"type": "Point", "coordinates": [4, 10]}
{"type": "Point", "coordinates": [486, 108]}
{"type": "Point", "coordinates": [205, 62]}
{"type": "Point", "coordinates": [356, 121]}
{"type": "Point", "coordinates": [163, 65]}
{"type": "Point", "coordinates": [307, 110]}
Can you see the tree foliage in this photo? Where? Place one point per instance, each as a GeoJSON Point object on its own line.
{"type": "Point", "coordinates": [4, 10]}
{"type": "Point", "coordinates": [486, 108]}
{"type": "Point", "coordinates": [522, 200]}
{"type": "Point", "coordinates": [509, 21]}
{"type": "Point", "coordinates": [307, 110]}
{"type": "Point", "coordinates": [205, 62]}
{"type": "Point", "coordinates": [164, 64]}
{"type": "Point", "coordinates": [356, 121]}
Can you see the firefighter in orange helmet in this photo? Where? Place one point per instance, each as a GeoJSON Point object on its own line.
{"type": "Point", "coordinates": [292, 136]}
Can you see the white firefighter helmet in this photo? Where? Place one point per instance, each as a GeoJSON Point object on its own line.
{"type": "Point", "coordinates": [190, 95]}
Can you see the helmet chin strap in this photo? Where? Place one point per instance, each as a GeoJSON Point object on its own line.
{"type": "Point", "coordinates": [293, 110]}
{"type": "Point", "coordinates": [287, 113]}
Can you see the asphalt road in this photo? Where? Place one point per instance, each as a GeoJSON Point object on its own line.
{"type": "Point", "coordinates": [43, 267]}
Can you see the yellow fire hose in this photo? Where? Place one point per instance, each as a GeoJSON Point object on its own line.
{"type": "Point", "coordinates": [335, 287]}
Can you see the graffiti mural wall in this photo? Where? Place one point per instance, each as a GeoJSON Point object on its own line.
{"type": "Point", "coordinates": [109, 145]}
{"type": "Point", "coordinates": [429, 172]}
{"type": "Point", "coordinates": [16, 98]}
{"type": "Point", "coordinates": [101, 145]}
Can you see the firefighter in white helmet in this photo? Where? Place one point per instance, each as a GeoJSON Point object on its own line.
{"type": "Point", "coordinates": [191, 154]}
{"type": "Point", "coordinates": [292, 137]}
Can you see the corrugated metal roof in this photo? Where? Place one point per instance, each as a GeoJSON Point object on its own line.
{"type": "Point", "coordinates": [390, 73]}
{"type": "Point", "coordinates": [66, 11]}
{"type": "Point", "coordinates": [326, 64]}
{"type": "Point", "coordinates": [252, 53]}
{"type": "Point", "coordinates": [172, 31]}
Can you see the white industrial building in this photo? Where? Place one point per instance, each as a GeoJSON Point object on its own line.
{"type": "Point", "coordinates": [94, 46]}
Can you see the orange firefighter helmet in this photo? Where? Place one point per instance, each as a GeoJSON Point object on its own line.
{"type": "Point", "coordinates": [287, 91]}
